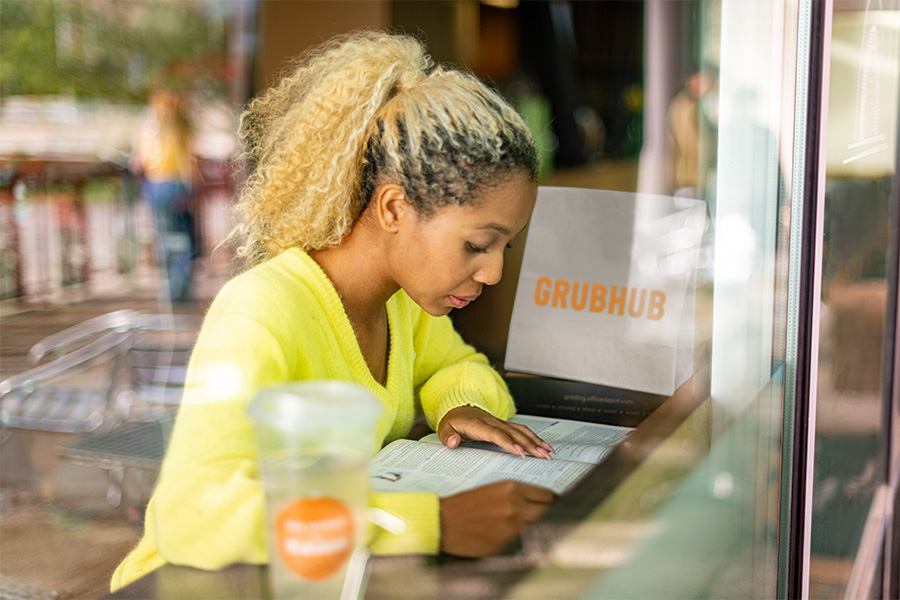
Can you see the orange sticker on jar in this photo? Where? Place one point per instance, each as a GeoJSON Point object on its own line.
{"type": "Point", "coordinates": [314, 536]}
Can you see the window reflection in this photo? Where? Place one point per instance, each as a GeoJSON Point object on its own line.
{"type": "Point", "coordinates": [690, 98]}
{"type": "Point", "coordinates": [851, 448]}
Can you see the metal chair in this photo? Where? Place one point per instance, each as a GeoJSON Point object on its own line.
{"type": "Point", "coordinates": [75, 392]}
{"type": "Point", "coordinates": [157, 361]}
{"type": "Point", "coordinates": [157, 365]}
{"type": "Point", "coordinates": [115, 384]}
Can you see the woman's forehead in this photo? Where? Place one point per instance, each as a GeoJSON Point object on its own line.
{"type": "Point", "coordinates": [504, 209]}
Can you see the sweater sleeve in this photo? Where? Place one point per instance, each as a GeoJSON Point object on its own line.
{"type": "Point", "coordinates": [450, 373]}
{"type": "Point", "coordinates": [208, 507]}
{"type": "Point", "coordinates": [416, 520]}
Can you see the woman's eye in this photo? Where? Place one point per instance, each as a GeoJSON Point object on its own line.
{"type": "Point", "coordinates": [475, 248]}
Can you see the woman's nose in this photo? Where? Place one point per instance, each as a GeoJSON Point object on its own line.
{"type": "Point", "coordinates": [490, 272]}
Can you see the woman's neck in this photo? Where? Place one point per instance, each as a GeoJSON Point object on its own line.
{"type": "Point", "coordinates": [356, 269]}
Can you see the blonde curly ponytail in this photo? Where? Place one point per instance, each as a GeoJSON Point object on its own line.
{"type": "Point", "coordinates": [356, 110]}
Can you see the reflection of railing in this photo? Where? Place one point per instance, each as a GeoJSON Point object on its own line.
{"type": "Point", "coordinates": [58, 236]}
{"type": "Point", "coordinates": [71, 226]}
{"type": "Point", "coordinates": [70, 219]}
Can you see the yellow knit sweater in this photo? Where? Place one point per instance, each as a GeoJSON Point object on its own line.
{"type": "Point", "coordinates": [283, 321]}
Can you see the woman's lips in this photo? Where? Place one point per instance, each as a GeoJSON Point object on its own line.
{"type": "Point", "coordinates": [458, 302]}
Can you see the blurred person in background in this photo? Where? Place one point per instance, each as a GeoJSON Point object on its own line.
{"type": "Point", "coordinates": [684, 136]}
{"type": "Point", "coordinates": [162, 157]}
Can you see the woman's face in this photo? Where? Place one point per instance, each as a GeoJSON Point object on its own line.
{"type": "Point", "coordinates": [445, 260]}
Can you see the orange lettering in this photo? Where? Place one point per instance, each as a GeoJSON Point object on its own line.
{"type": "Point", "coordinates": [555, 292]}
{"type": "Point", "coordinates": [617, 299]}
{"type": "Point", "coordinates": [576, 304]}
{"type": "Point", "coordinates": [541, 295]}
{"type": "Point", "coordinates": [656, 310]}
{"type": "Point", "coordinates": [598, 298]}
{"type": "Point", "coordinates": [560, 289]}
{"type": "Point", "coordinates": [636, 312]}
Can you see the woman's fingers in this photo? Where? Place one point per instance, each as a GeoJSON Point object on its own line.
{"type": "Point", "coordinates": [516, 439]}
{"type": "Point", "coordinates": [483, 521]}
{"type": "Point", "coordinates": [470, 423]}
{"type": "Point", "coordinates": [532, 439]}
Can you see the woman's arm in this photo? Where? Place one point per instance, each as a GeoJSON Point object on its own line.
{"type": "Point", "coordinates": [462, 396]}
{"type": "Point", "coordinates": [449, 373]}
{"type": "Point", "coordinates": [209, 503]}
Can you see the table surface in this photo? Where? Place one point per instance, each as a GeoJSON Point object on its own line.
{"type": "Point", "coordinates": [524, 568]}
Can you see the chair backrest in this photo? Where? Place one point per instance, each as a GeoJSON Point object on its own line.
{"type": "Point", "coordinates": [121, 366]}
{"type": "Point", "coordinates": [72, 393]}
{"type": "Point", "coordinates": [158, 360]}
{"type": "Point", "coordinates": [119, 320]}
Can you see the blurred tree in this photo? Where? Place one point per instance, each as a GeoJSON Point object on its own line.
{"type": "Point", "coordinates": [108, 48]}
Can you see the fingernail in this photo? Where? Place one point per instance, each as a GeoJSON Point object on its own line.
{"type": "Point", "coordinates": [548, 446]}
{"type": "Point", "coordinates": [546, 454]}
{"type": "Point", "coordinates": [521, 451]}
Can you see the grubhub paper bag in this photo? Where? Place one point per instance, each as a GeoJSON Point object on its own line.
{"type": "Point", "coordinates": [606, 290]}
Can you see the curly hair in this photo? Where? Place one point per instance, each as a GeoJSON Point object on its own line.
{"type": "Point", "coordinates": [359, 110]}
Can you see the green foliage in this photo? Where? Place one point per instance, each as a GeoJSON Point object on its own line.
{"type": "Point", "coordinates": [27, 48]}
{"type": "Point", "coordinates": [101, 189]}
{"type": "Point", "coordinates": [112, 49]}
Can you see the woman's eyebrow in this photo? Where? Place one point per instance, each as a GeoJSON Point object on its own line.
{"type": "Point", "coordinates": [495, 226]}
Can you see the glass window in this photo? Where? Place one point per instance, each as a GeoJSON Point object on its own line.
{"type": "Point", "coordinates": [701, 517]}
{"type": "Point", "coordinates": [707, 99]}
{"type": "Point", "coordinates": [853, 385]}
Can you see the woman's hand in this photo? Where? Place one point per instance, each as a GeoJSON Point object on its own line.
{"type": "Point", "coordinates": [471, 423]}
{"type": "Point", "coordinates": [483, 521]}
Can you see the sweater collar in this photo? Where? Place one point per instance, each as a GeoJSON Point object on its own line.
{"type": "Point", "coordinates": [330, 300]}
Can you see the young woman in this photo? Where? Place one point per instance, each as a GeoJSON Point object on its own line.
{"type": "Point", "coordinates": [382, 195]}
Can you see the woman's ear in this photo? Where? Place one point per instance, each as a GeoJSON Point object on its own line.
{"type": "Point", "coordinates": [391, 206]}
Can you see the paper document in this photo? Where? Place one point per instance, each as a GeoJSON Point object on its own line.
{"type": "Point", "coordinates": [428, 465]}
